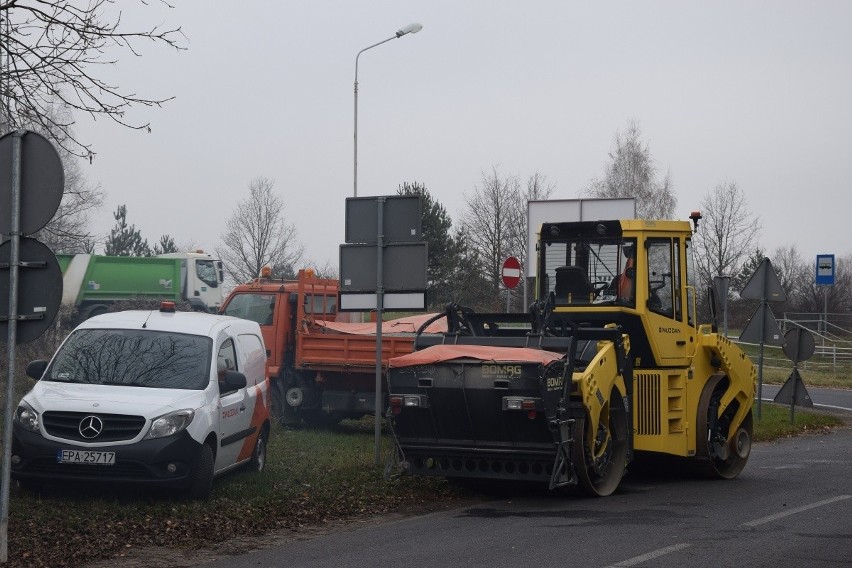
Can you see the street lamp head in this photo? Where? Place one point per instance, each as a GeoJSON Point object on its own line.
{"type": "Point", "coordinates": [409, 29]}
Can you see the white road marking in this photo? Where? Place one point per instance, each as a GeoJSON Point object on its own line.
{"type": "Point", "coordinates": [815, 405]}
{"type": "Point", "coordinates": [801, 509]}
{"type": "Point", "coordinates": [650, 556]}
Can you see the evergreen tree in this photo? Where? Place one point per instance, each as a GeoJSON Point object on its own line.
{"type": "Point", "coordinates": [443, 249]}
{"type": "Point", "coordinates": [125, 240]}
{"type": "Point", "coordinates": [748, 268]}
{"type": "Point", "coordinates": [166, 245]}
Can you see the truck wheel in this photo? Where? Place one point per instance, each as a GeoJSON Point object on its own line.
{"type": "Point", "coordinates": [281, 411]}
{"type": "Point", "coordinates": [201, 476]}
{"type": "Point", "coordinates": [726, 457]}
{"type": "Point", "coordinates": [258, 456]}
{"type": "Point", "coordinates": [600, 457]}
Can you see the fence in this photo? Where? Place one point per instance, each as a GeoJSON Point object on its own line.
{"type": "Point", "coordinates": [833, 343]}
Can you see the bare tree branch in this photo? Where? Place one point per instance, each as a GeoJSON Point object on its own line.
{"type": "Point", "coordinates": [631, 172]}
{"type": "Point", "coordinates": [727, 233]}
{"type": "Point", "coordinates": [48, 51]}
{"type": "Point", "coordinates": [257, 235]}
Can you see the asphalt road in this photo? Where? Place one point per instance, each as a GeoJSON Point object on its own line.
{"type": "Point", "coordinates": [791, 507]}
{"type": "Point", "coordinates": [831, 399]}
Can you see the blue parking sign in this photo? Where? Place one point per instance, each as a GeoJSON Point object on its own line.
{"type": "Point", "coordinates": [825, 269]}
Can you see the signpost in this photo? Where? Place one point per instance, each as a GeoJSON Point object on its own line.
{"type": "Point", "coordinates": [511, 274]}
{"type": "Point", "coordinates": [31, 185]}
{"type": "Point", "coordinates": [383, 265]}
{"type": "Point", "coordinates": [798, 346]}
{"type": "Point", "coordinates": [825, 277]}
{"type": "Point", "coordinates": [762, 328]}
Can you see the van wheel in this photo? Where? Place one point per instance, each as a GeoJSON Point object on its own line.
{"type": "Point", "coordinates": [201, 476]}
{"type": "Point", "coordinates": [258, 457]}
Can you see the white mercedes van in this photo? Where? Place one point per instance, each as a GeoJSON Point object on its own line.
{"type": "Point", "coordinates": [163, 398]}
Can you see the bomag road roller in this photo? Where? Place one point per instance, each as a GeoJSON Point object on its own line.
{"type": "Point", "coordinates": [609, 365]}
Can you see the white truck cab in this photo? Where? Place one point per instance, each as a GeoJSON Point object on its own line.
{"type": "Point", "coordinates": [162, 398]}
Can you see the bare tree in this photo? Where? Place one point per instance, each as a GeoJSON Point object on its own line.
{"type": "Point", "coordinates": [68, 230]}
{"type": "Point", "coordinates": [488, 224]}
{"type": "Point", "coordinates": [836, 298]}
{"type": "Point", "coordinates": [257, 235]}
{"type": "Point", "coordinates": [631, 172]}
{"type": "Point", "coordinates": [793, 273]}
{"type": "Point", "coordinates": [49, 51]}
{"type": "Point", "coordinates": [726, 235]}
{"type": "Point", "coordinates": [495, 225]}
{"type": "Point", "coordinates": [537, 189]}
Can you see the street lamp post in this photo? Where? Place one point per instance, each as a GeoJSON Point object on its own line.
{"type": "Point", "coordinates": [409, 29]}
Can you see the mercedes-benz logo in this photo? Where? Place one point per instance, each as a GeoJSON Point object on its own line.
{"type": "Point", "coordinates": [91, 427]}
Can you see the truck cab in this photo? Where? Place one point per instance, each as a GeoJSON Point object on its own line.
{"type": "Point", "coordinates": [277, 306]}
{"type": "Point", "coordinates": [635, 273]}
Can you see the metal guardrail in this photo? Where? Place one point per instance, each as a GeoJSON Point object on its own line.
{"type": "Point", "coordinates": [829, 355]}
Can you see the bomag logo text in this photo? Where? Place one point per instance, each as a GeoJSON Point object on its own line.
{"type": "Point", "coordinates": [504, 371]}
{"type": "Point", "coordinates": [555, 383]}
{"type": "Point", "coordinates": [669, 330]}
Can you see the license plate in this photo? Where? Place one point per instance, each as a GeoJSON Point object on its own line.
{"type": "Point", "coordinates": [89, 457]}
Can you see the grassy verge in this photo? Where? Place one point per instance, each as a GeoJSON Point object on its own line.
{"type": "Point", "coordinates": [312, 478]}
{"type": "Point", "coordinates": [775, 423]}
{"type": "Point", "coordinates": [817, 371]}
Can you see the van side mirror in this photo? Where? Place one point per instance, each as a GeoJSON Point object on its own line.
{"type": "Point", "coordinates": [235, 380]}
{"type": "Point", "coordinates": [36, 368]}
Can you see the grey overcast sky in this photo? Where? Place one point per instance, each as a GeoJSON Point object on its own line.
{"type": "Point", "coordinates": [756, 92]}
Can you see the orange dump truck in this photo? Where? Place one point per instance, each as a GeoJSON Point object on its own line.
{"type": "Point", "coordinates": [322, 367]}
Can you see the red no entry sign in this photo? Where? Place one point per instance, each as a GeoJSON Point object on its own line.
{"type": "Point", "coordinates": [511, 272]}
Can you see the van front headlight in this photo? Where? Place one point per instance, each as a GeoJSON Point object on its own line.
{"type": "Point", "coordinates": [27, 417]}
{"type": "Point", "coordinates": [170, 424]}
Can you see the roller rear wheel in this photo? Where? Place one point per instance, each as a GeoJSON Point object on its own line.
{"type": "Point", "coordinates": [726, 457]}
{"type": "Point", "coordinates": [600, 457]}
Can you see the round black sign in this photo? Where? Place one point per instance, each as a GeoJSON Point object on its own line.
{"type": "Point", "coordinates": [39, 289]}
{"type": "Point", "coordinates": [799, 344]}
{"type": "Point", "coordinates": [41, 185]}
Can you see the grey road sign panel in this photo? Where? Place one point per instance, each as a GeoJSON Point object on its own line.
{"type": "Point", "coordinates": [401, 219]}
{"type": "Point", "coordinates": [771, 331]}
{"type": "Point", "coordinates": [764, 285]}
{"type": "Point", "coordinates": [41, 185]}
{"type": "Point", "coordinates": [404, 267]}
{"type": "Point", "coordinates": [799, 344]}
{"type": "Point", "coordinates": [792, 390]}
{"type": "Point", "coordinates": [39, 289]}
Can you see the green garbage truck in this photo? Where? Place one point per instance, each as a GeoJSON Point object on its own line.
{"type": "Point", "coordinates": [93, 282]}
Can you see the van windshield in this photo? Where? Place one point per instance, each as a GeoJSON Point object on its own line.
{"type": "Point", "coordinates": [133, 357]}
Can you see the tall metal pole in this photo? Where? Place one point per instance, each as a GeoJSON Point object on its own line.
{"type": "Point", "coordinates": [15, 228]}
{"type": "Point", "coordinates": [409, 29]}
{"type": "Point", "coordinates": [380, 244]}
